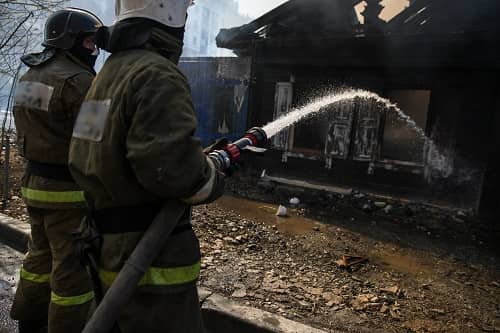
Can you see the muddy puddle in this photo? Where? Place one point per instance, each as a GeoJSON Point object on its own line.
{"type": "Point", "coordinates": [295, 225]}
{"type": "Point", "coordinates": [264, 212]}
{"type": "Point", "coordinates": [402, 263]}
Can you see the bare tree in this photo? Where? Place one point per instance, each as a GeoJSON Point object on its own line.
{"type": "Point", "coordinates": [21, 29]}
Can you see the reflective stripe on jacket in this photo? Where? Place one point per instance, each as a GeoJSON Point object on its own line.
{"type": "Point", "coordinates": [158, 276]}
{"type": "Point", "coordinates": [52, 196]}
{"type": "Point", "coordinates": [48, 193]}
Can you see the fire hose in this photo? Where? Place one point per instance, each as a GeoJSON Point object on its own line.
{"type": "Point", "coordinates": [148, 248]}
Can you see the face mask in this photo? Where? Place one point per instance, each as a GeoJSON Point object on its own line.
{"type": "Point", "coordinates": [91, 59]}
{"type": "Point", "coordinates": [87, 56]}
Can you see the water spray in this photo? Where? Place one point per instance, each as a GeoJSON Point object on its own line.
{"type": "Point", "coordinates": [230, 153]}
{"type": "Point", "coordinates": [227, 154]}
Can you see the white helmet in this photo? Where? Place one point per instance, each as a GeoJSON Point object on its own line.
{"type": "Point", "coordinates": [171, 13]}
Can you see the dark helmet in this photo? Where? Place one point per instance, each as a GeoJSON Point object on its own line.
{"type": "Point", "coordinates": [63, 27]}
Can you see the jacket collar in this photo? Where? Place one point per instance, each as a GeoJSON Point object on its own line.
{"type": "Point", "coordinates": [77, 61]}
{"type": "Point", "coordinates": [38, 59]}
{"type": "Point", "coordinates": [165, 44]}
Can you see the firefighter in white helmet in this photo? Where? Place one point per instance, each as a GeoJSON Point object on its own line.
{"type": "Point", "coordinates": [133, 149]}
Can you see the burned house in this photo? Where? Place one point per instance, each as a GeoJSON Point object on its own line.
{"type": "Point", "coordinates": [438, 60]}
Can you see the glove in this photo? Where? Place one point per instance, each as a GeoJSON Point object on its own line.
{"type": "Point", "coordinates": [221, 165]}
{"type": "Point", "coordinates": [217, 145]}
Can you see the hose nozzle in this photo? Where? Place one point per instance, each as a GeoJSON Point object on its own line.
{"type": "Point", "coordinates": [231, 153]}
{"type": "Point", "coordinates": [257, 135]}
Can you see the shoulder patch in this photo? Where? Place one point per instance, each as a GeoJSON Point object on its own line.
{"type": "Point", "coordinates": [33, 95]}
{"type": "Point", "coordinates": [91, 120]}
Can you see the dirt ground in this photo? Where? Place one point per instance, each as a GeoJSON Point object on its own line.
{"type": "Point", "coordinates": [421, 269]}
{"type": "Point", "coordinates": [288, 266]}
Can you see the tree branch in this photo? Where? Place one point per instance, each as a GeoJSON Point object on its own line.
{"type": "Point", "coordinates": [15, 30]}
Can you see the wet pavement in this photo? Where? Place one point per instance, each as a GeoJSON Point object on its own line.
{"type": "Point", "coordinates": [10, 262]}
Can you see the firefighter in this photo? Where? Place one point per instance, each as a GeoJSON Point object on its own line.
{"type": "Point", "coordinates": [54, 290]}
{"type": "Point", "coordinates": [133, 149]}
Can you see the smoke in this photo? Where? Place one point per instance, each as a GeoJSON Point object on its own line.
{"type": "Point", "coordinates": [256, 8]}
{"type": "Point", "coordinates": [205, 19]}
{"type": "Point", "coordinates": [103, 9]}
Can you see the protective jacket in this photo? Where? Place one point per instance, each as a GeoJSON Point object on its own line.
{"type": "Point", "coordinates": [133, 147]}
{"type": "Point", "coordinates": [54, 289]}
{"type": "Point", "coordinates": [47, 101]}
{"type": "Point", "coordinates": [134, 140]}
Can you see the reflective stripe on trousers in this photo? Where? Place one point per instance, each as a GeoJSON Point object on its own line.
{"type": "Point", "coordinates": [159, 276]}
{"type": "Point", "coordinates": [53, 196]}
{"type": "Point", "coordinates": [54, 298]}
{"type": "Point", "coordinates": [71, 300]}
{"type": "Point", "coordinates": [32, 277]}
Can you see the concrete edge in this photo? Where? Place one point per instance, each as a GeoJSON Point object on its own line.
{"type": "Point", "coordinates": [308, 185]}
{"type": "Point", "coordinates": [222, 315]}
{"type": "Point", "coordinates": [13, 234]}
{"type": "Point", "coordinates": [349, 191]}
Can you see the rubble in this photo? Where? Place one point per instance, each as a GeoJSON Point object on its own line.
{"type": "Point", "coordinates": [296, 275]}
{"type": "Point", "coordinates": [240, 293]}
{"type": "Point", "coordinates": [395, 290]}
{"type": "Point", "coordinates": [349, 261]}
{"type": "Point", "coordinates": [367, 208]}
{"type": "Point", "coordinates": [387, 209]}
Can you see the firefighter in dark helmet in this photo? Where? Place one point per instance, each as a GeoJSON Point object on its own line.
{"type": "Point", "coordinates": [54, 291]}
{"type": "Point", "coordinates": [133, 149]}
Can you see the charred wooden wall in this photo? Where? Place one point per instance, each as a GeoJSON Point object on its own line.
{"type": "Point", "coordinates": [463, 105]}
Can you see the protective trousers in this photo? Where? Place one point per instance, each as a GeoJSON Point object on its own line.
{"type": "Point", "coordinates": [166, 299]}
{"type": "Point", "coordinates": [54, 285]}
{"type": "Point", "coordinates": [152, 310]}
